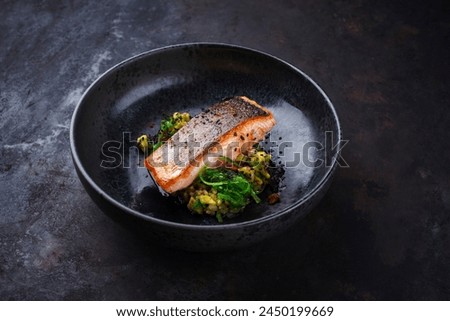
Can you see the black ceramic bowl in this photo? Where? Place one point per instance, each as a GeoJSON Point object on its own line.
{"type": "Point", "coordinates": [133, 96]}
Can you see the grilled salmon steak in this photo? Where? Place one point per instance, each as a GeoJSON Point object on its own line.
{"type": "Point", "coordinates": [226, 129]}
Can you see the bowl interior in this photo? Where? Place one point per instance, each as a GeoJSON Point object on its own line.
{"type": "Point", "coordinates": [134, 96]}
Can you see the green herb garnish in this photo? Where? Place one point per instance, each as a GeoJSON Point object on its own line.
{"type": "Point", "coordinates": [169, 126]}
{"type": "Point", "coordinates": [231, 186]}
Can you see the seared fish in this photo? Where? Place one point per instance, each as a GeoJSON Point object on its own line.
{"type": "Point", "coordinates": [226, 129]}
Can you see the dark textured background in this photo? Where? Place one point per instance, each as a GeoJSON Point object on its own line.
{"type": "Point", "coordinates": [381, 232]}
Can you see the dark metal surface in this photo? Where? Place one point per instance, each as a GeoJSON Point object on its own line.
{"type": "Point", "coordinates": [381, 232]}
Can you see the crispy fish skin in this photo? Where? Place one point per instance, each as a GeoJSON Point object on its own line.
{"type": "Point", "coordinates": [225, 129]}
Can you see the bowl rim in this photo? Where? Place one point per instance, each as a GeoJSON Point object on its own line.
{"type": "Point", "coordinates": [227, 226]}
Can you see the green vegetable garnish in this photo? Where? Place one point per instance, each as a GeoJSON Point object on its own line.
{"type": "Point", "coordinates": [231, 186]}
{"type": "Point", "coordinates": [168, 128]}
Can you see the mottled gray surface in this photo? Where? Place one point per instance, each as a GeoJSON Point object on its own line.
{"type": "Point", "coordinates": [380, 233]}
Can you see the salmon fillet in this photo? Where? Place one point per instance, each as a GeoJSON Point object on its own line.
{"type": "Point", "coordinates": [228, 129]}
